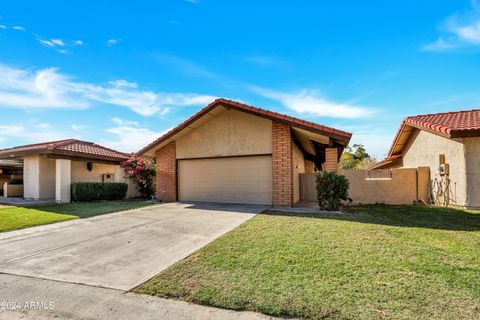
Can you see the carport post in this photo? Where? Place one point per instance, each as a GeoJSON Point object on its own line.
{"type": "Point", "coordinates": [63, 177]}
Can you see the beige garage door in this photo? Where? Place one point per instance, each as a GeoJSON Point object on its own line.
{"type": "Point", "coordinates": [229, 180]}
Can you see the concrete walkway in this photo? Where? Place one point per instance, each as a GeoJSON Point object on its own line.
{"type": "Point", "coordinates": [85, 266]}
{"type": "Point", "coordinates": [46, 299]}
{"type": "Point", "coordinates": [23, 202]}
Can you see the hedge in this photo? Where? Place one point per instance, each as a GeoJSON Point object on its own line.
{"type": "Point", "coordinates": [92, 191]}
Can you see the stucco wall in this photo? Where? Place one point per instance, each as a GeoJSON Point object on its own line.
{"type": "Point", "coordinates": [30, 177]}
{"type": "Point", "coordinates": [423, 150]}
{"type": "Point", "coordinates": [309, 166]}
{"type": "Point", "coordinates": [400, 189]}
{"type": "Point", "coordinates": [231, 133]}
{"type": "Point", "coordinates": [47, 177]}
{"type": "Point", "coordinates": [298, 167]}
{"type": "Point", "coordinates": [472, 146]}
{"type": "Point", "coordinates": [81, 174]}
{"type": "Point", "coordinates": [39, 177]}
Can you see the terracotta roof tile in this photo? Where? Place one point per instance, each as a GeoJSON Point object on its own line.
{"type": "Point", "coordinates": [456, 124]}
{"type": "Point", "coordinates": [451, 123]}
{"type": "Point", "coordinates": [307, 125]}
{"type": "Point", "coordinates": [71, 146]}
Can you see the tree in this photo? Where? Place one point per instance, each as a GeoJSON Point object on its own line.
{"type": "Point", "coordinates": [356, 157]}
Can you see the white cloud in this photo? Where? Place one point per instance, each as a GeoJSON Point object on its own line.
{"type": "Point", "coordinates": [130, 136]}
{"type": "Point", "coordinates": [376, 140]}
{"type": "Point", "coordinates": [46, 43]}
{"type": "Point", "coordinates": [2, 26]}
{"type": "Point", "coordinates": [439, 45]}
{"type": "Point", "coordinates": [58, 42]}
{"type": "Point", "coordinates": [192, 1]}
{"type": "Point", "coordinates": [121, 83]}
{"type": "Point", "coordinates": [112, 42]}
{"type": "Point", "coordinates": [49, 89]}
{"type": "Point", "coordinates": [19, 28]}
{"type": "Point", "coordinates": [458, 30]}
{"type": "Point", "coordinates": [311, 102]}
{"type": "Point", "coordinates": [29, 135]}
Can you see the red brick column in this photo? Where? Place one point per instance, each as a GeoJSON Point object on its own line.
{"type": "Point", "coordinates": [282, 165]}
{"type": "Point", "coordinates": [167, 173]}
{"type": "Point", "coordinates": [331, 159]}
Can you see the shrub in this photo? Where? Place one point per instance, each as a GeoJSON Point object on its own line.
{"type": "Point", "coordinates": [331, 189]}
{"type": "Point", "coordinates": [142, 172]}
{"type": "Point", "coordinates": [94, 191]}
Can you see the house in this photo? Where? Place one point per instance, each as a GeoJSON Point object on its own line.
{"type": "Point", "coordinates": [234, 153]}
{"type": "Point", "coordinates": [46, 170]}
{"type": "Point", "coordinates": [447, 143]}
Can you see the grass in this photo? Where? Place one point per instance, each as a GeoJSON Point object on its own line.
{"type": "Point", "coordinates": [375, 262]}
{"type": "Point", "coordinates": [15, 217]}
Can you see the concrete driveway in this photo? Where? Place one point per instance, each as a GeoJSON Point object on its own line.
{"type": "Point", "coordinates": [120, 250]}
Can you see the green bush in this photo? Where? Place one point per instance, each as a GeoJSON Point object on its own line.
{"type": "Point", "coordinates": [331, 189]}
{"type": "Point", "coordinates": [94, 191]}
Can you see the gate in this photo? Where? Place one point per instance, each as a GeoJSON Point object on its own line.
{"type": "Point", "coordinates": [308, 191]}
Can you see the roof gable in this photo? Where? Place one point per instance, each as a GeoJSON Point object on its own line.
{"type": "Point", "coordinates": [294, 122]}
{"type": "Point", "coordinates": [457, 124]}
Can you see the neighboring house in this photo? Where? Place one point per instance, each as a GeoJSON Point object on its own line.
{"type": "Point", "coordinates": [49, 168]}
{"type": "Point", "coordinates": [234, 153]}
{"type": "Point", "coordinates": [447, 143]}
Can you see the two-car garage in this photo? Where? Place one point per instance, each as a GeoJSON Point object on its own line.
{"type": "Point", "coordinates": [229, 152]}
{"type": "Point", "coordinates": [241, 179]}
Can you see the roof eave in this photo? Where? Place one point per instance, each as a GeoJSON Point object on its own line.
{"type": "Point", "coordinates": [338, 135]}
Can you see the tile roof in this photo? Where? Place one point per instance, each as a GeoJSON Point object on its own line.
{"type": "Point", "coordinates": [295, 122]}
{"type": "Point", "coordinates": [454, 124]}
{"type": "Point", "coordinates": [387, 162]}
{"type": "Point", "coordinates": [70, 147]}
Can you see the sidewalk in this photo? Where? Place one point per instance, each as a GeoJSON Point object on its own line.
{"type": "Point", "coordinates": [61, 300]}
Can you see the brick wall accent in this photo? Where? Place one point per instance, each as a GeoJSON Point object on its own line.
{"type": "Point", "coordinates": [282, 165]}
{"type": "Point", "coordinates": [331, 159]}
{"type": "Point", "coordinates": [167, 173]}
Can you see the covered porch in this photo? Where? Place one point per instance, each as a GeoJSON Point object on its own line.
{"type": "Point", "coordinates": [45, 172]}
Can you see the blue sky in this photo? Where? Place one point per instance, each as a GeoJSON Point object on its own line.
{"type": "Point", "coordinates": [120, 73]}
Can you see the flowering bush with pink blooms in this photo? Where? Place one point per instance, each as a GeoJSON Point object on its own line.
{"type": "Point", "coordinates": [142, 172]}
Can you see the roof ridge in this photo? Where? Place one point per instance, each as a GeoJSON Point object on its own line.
{"type": "Point", "coordinates": [93, 144]}
{"type": "Point", "coordinates": [278, 114]}
{"type": "Point", "coordinates": [440, 113]}
{"type": "Point", "coordinates": [36, 144]}
{"type": "Point", "coordinates": [249, 109]}
{"type": "Point", "coordinates": [106, 148]}
{"type": "Point", "coordinates": [58, 144]}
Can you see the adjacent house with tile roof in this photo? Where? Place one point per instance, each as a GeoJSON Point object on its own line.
{"type": "Point", "coordinates": [44, 171]}
{"type": "Point", "coordinates": [449, 144]}
{"type": "Point", "coordinates": [235, 153]}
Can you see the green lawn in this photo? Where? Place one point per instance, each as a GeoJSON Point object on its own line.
{"type": "Point", "coordinates": [376, 262]}
{"type": "Point", "coordinates": [12, 218]}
